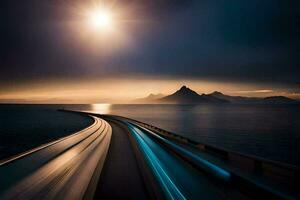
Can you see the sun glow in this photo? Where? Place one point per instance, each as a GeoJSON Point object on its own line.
{"type": "Point", "coordinates": [101, 19]}
{"type": "Point", "coordinates": [100, 29]}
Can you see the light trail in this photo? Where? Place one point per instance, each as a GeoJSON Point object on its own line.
{"type": "Point", "coordinates": [204, 164]}
{"type": "Point", "coordinates": [171, 190]}
{"type": "Point", "coordinates": [61, 170]}
{"type": "Point", "coordinates": [175, 177]}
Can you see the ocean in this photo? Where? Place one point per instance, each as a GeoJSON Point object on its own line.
{"type": "Point", "coordinates": [267, 131]}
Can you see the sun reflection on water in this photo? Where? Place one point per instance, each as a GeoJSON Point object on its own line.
{"type": "Point", "coordinates": [103, 108]}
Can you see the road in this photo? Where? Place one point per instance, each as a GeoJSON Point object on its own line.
{"type": "Point", "coordinates": [117, 158]}
{"type": "Point", "coordinates": [183, 173]}
{"type": "Point", "coordinates": [120, 177]}
{"type": "Point", "coordinates": [63, 169]}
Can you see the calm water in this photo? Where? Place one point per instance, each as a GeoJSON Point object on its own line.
{"type": "Point", "coordinates": [269, 131]}
{"type": "Point", "coordinates": [23, 127]}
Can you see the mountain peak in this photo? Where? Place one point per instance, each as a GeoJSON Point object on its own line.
{"type": "Point", "coordinates": [149, 99]}
{"type": "Point", "coordinates": [184, 90]}
{"type": "Point", "coordinates": [155, 96]}
{"type": "Point", "coordinates": [217, 93]}
{"type": "Point", "coordinates": [279, 100]}
{"type": "Point", "coordinates": [183, 87]}
{"type": "Point", "coordinates": [186, 95]}
{"type": "Point", "coordinates": [151, 95]}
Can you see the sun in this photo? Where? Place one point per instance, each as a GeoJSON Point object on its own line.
{"type": "Point", "coordinates": [102, 27]}
{"type": "Point", "coordinates": [101, 19]}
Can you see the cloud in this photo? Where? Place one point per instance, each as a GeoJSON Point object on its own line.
{"type": "Point", "coordinates": [255, 91]}
{"type": "Point", "coordinates": [251, 41]}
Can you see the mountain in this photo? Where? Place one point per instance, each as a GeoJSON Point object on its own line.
{"type": "Point", "coordinates": [279, 100]}
{"type": "Point", "coordinates": [187, 96]}
{"type": "Point", "coordinates": [254, 100]}
{"type": "Point", "coordinates": [235, 99]}
{"type": "Point", "coordinates": [151, 98]}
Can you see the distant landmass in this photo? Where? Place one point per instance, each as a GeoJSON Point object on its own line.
{"type": "Point", "coordinates": [151, 98]}
{"type": "Point", "coordinates": [257, 100]}
{"type": "Point", "coordinates": [279, 99]}
{"type": "Point", "coordinates": [187, 96]}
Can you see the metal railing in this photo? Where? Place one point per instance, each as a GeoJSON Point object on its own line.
{"type": "Point", "coordinates": [281, 173]}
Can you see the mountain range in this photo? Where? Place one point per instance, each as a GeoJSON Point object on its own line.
{"type": "Point", "coordinates": [187, 96]}
{"type": "Point", "coordinates": [151, 98]}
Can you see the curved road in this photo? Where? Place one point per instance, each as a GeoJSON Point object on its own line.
{"type": "Point", "coordinates": [61, 169]}
{"type": "Point", "coordinates": [115, 158]}
{"type": "Point", "coordinates": [120, 177]}
{"type": "Point", "coordinates": [181, 173]}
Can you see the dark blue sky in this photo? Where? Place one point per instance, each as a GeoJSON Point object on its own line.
{"type": "Point", "coordinates": [251, 41]}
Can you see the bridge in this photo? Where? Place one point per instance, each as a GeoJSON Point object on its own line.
{"type": "Point", "coordinates": [121, 158]}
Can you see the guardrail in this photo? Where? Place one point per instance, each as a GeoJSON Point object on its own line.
{"type": "Point", "coordinates": [281, 173]}
{"type": "Point", "coordinates": [284, 175]}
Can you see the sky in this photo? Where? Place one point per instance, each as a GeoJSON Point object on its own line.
{"type": "Point", "coordinates": [50, 53]}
